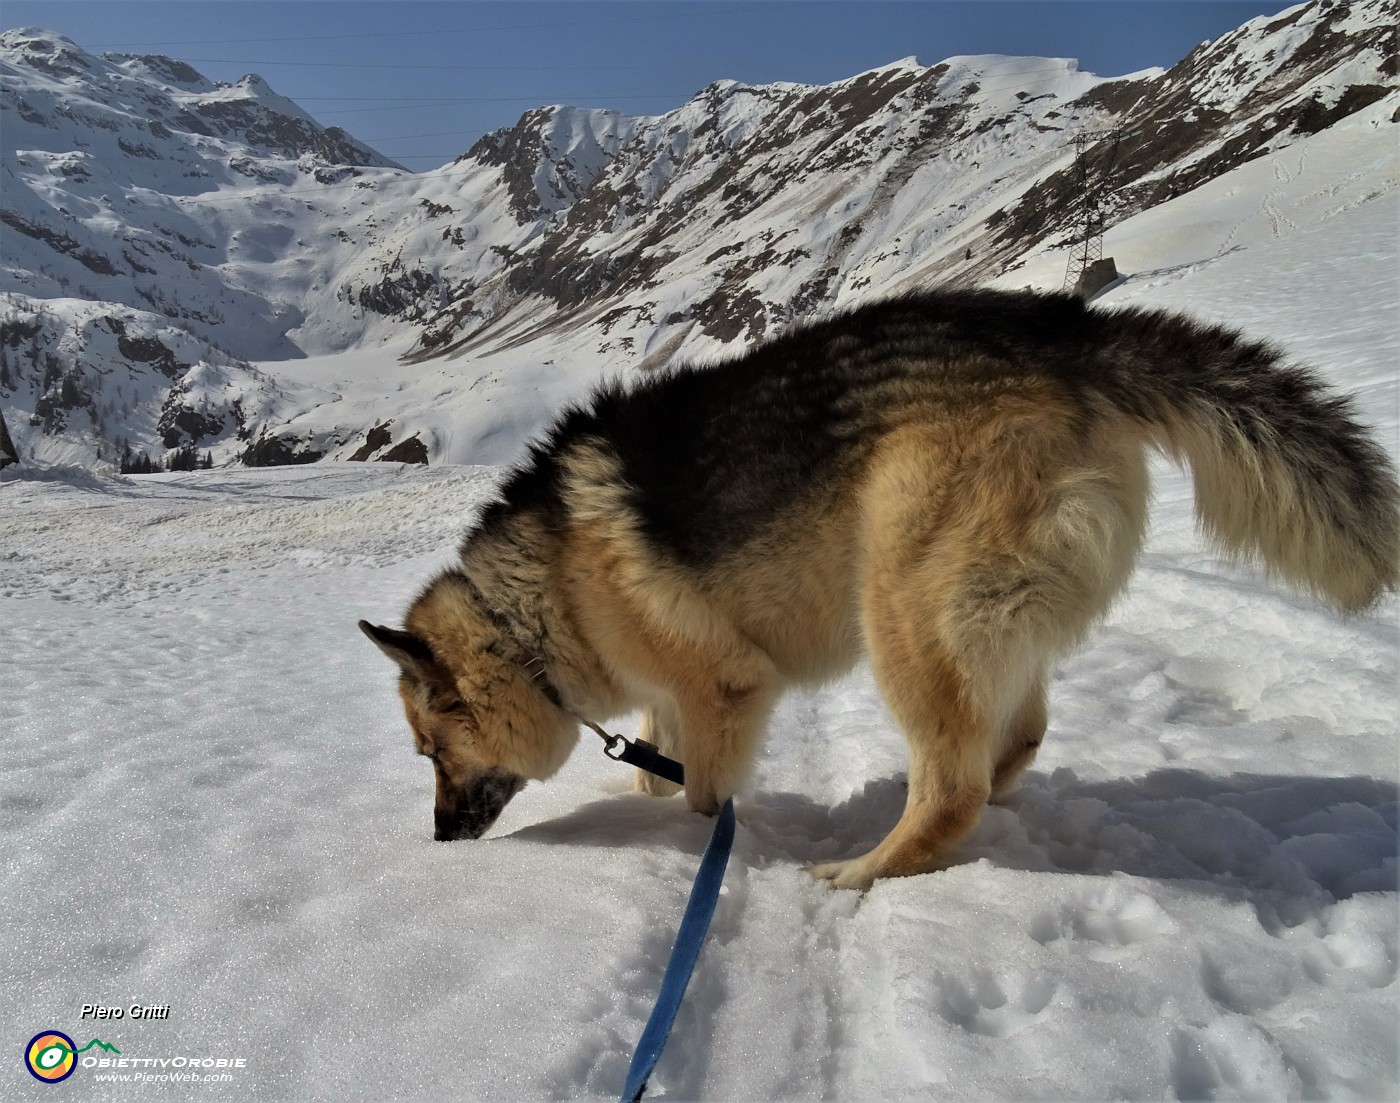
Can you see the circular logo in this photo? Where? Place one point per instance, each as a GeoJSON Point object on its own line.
{"type": "Point", "coordinates": [50, 1056]}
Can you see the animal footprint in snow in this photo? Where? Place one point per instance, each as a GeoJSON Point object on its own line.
{"type": "Point", "coordinates": [1106, 923]}
{"type": "Point", "coordinates": [1351, 959]}
{"type": "Point", "coordinates": [994, 1006]}
{"type": "Point", "coordinates": [1233, 1058]}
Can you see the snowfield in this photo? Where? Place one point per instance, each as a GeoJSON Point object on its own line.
{"type": "Point", "coordinates": [209, 801]}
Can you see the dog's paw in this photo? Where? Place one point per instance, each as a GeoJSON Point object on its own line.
{"type": "Point", "coordinates": [646, 782]}
{"type": "Point", "coordinates": [852, 874]}
{"type": "Point", "coordinates": [704, 801]}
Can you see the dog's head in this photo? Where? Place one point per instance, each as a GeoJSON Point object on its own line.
{"type": "Point", "coordinates": [480, 720]}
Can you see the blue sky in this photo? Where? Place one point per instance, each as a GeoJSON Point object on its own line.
{"type": "Point", "coordinates": [421, 81]}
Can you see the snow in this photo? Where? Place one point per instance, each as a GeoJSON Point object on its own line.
{"type": "Point", "coordinates": [210, 801]}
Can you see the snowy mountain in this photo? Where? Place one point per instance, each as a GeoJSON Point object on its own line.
{"type": "Point", "coordinates": [104, 156]}
{"type": "Point", "coordinates": [751, 206]}
{"type": "Point", "coordinates": [205, 779]}
{"type": "Point", "coordinates": [576, 242]}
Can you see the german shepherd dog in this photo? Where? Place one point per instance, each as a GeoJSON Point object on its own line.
{"type": "Point", "coordinates": [952, 485]}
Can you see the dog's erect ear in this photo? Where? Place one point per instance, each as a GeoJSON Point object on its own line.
{"type": "Point", "coordinates": [406, 649]}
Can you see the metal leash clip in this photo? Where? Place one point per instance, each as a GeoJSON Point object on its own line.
{"type": "Point", "coordinates": [639, 753]}
{"type": "Point", "coordinates": [609, 741]}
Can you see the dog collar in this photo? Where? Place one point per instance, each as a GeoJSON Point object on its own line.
{"type": "Point", "coordinates": [539, 675]}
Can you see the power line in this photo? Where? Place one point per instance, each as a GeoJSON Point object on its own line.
{"type": "Point", "coordinates": [535, 100]}
{"type": "Point", "coordinates": [542, 101]}
{"type": "Point", "coordinates": [408, 137]}
{"type": "Point", "coordinates": [546, 99]}
{"type": "Point", "coordinates": [360, 183]}
{"type": "Point", "coordinates": [407, 102]}
{"type": "Point", "coordinates": [447, 101]}
{"type": "Point", "coordinates": [442, 68]}
{"type": "Point", "coordinates": [401, 34]}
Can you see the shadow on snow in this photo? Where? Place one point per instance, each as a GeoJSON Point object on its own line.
{"type": "Point", "coordinates": [1284, 843]}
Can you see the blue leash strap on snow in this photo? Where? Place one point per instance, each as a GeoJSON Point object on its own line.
{"type": "Point", "coordinates": [695, 924]}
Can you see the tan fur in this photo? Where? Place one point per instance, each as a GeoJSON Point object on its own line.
{"type": "Point", "coordinates": [1253, 511]}
{"type": "Point", "coordinates": [975, 539]}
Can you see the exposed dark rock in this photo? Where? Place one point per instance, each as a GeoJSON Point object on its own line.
{"type": "Point", "coordinates": [411, 450]}
{"type": "Point", "coordinates": [176, 72]}
{"type": "Point", "coordinates": [146, 350]}
{"type": "Point", "coordinates": [61, 242]}
{"type": "Point", "coordinates": [179, 425]}
{"type": "Point", "coordinates": [375, 439]}
{"type": "Point", "coordinates": [402, 292]}
{"type": "Point", "coordinates": [15, 331]}
{"type": "Point", "coordinates": [9, 454]}
{"type": "Point", "coordinates": [269, 451]}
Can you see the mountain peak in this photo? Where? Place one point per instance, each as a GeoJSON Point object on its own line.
{"type": "Point", "coordinates": [45, 51]}
{"type": "Point", "coordinates": [254, 89]}
{"type": "Point", "coordinates": [147, 120]}
{"type": "Point", "coordinates": [905, 63]}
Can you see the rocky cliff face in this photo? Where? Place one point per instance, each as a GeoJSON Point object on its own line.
{"type": "Point", "coordinates": [1257, 89]}
{"type": "Point", "coordinates": [750, 206]}
{"type": "Point", "coordinates": [148, 196]}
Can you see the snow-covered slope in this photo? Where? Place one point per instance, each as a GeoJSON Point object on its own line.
{"type": "Point", "coordinates": [126, 315]}
{"type": "Point", "coordinates": [209, 800]}
{"type": "Point", "coordinates": [159, 387]}
{"type": "Point", "coordinates": [583, 242]}
{"type": "Point", "coordinates": [749, 207]}
{"type": "Point", "coordinates": [102, 155]}
{"type": "Point", "coordinates": [477, 408]}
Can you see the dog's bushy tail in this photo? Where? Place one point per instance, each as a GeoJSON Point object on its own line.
{"type": "Point", "coordinates": [1284, 473]}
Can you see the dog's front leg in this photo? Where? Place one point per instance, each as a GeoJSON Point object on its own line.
{"type": "Point", "coordinates": [661, 727]}
{"type": "Point", "coordinates": [720, 734]}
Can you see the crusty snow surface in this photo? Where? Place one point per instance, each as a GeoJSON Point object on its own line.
{"type": "Point", "coordinates": [208, 800]}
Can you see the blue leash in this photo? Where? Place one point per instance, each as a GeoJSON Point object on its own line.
{"type": "Point", "coordinates": [695, 924]}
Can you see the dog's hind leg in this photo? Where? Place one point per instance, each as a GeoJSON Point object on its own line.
{"type": "Point", "coordinates": [969, 743]}
{"type": "Point", "coordinates": [660, 728]}
{"type": "Point", "coordinates": [975, 579]}
{"type": "Point", "coordinates": [951, 742]}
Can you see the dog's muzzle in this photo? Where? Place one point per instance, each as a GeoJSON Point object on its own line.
{"type": "Point", "coordinates": [477, 806]}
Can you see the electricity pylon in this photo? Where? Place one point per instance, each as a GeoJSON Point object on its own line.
{"type": "Point", "coordinates": [1092, 173]}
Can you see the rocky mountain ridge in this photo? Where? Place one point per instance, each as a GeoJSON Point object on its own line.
{"type": "Point", "coordinates": [222, 220]}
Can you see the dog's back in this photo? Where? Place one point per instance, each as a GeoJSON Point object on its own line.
{"type": "Point", "coordinates": [715, 458]}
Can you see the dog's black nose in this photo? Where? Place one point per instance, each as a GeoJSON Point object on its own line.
{"type": "Point", "coordinates": [447, 828]}
{"type": "Point", "coordinates": [459, 827]}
